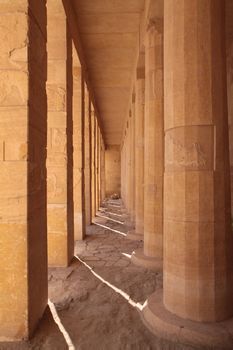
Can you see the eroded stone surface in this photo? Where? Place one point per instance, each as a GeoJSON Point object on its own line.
{"type": "Point", "coordinates": [59, 139]}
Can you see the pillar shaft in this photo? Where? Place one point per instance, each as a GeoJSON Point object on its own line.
{"type": "Point", "coordinates": [59, 148]}
{"type": "Point", "coordinates": [127, 147]}
{"type": "Point", "coordinates": [97, 167]}
{"type": "Point", "coordinates": [23, 128]}
{"type": "Point", "coordinates": [198, 259]}
{"type": "Point", "coordinates": [229, 50]}
{"type": "Point", "coordinates": [87, 144]}
{"type": "Point", "coordinates": [78, 155]}
{"type": "Point", "coordinates": [154, 141]}
{"type": "Point", "coordinates": [102, 170]}
{"type": "Point", "coordinates": [93, 178]}
{"type": "Point", "coordinates": [123, 170]}
{"type": "Point", "coordinates": [99, 153]}
{"type": "Point", "coordinates": [139, 154]}
{"type": "Point", "coordinates": [132, 161]}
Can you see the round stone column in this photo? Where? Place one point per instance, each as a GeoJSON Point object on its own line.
{"type": "Point", "coordinates": [198, 241]}
{"type": "Point", "coordinates": [151, 255]}
{"type": "Point", "coordinates": [137, 234]}
{"type": "Point", "coordinates": [132, 163]}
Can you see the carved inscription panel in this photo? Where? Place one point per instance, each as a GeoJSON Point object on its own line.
{"type": "Point", "coordinates": [189, 148]}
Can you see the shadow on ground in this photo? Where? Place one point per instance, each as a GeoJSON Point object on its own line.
{"type": "Point", "coordinates": [98, 299]}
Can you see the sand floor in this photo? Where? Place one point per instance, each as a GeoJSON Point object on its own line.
{"type": "Point", "coordinates": [96, 302]}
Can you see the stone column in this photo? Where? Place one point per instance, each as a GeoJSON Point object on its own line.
{"type": "Point", "coordinates": [132, 162]}
{"type": "Point", "coordinates": [93, 174]}
{"type": "Point", "coordinates": [97, 167]}
{"type": "Point", "coordinates": [127, 146]}
{"type": "Point", "coordinates": [133, 175]}
{"type": "Point", "coordinates": [99, 153]}
{"type": "Point", "coordinates": [102, 170]}
{"type": "Point", "coordinates": [59, 149]}
{"type": "Point", "coordinates": [198, 241]}
{"type": "Point", "coordinates": [151, 256]}
{"type": "Point", "coordinates": [87, 143]}
{"type": "Point", "coordinates": [129, 168]}
{"type": "Point", "coordinates": [123, 171]}
{"type": "Point", "coordinates": [139, 157]}
{"type": "Point", "coordinates": [229, 51]}
{"type": "Point", "coordinates": [23, 129]}
{"type": "Point", "coordinates": [78, 155]}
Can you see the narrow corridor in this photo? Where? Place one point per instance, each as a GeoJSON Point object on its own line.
{"type": "Point", "coordinates": [98, 299]}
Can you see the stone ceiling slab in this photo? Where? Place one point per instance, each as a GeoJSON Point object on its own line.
{"type": "Point", "coordinates": [109, 32]}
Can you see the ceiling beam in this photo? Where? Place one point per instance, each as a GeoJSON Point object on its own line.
{"type": "Point", "coordinates": [72, 23]}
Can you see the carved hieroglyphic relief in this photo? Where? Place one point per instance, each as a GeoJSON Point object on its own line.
{"type": "Point", "coordinates": [53, 188]}
{"type": "Point", "coordinates": [56, 98]}
{"type": "Point", "coordinates": [180, 155]}
{"type": "Point", "coordinates": [13, 88]}
{"type": "Point", "coordinates": [14, 40]}
{"type": "Point", "coordinates": [58, 140]}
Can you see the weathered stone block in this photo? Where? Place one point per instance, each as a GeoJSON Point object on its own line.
{"type": "Point", "coordinates": [15, 151]}
{"type": "Point", "coordinates": [13, 88]}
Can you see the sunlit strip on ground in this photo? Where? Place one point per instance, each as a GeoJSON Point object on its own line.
{"type": "Point", "coordinates": [120, 215]}
{"type": "Point", "coordinates": [127, 255]}
{"type": "Point", "coordinates": [111, 229]}
{"type": "Point", "coordinates": [114, 205]}
{"type": "Point", "coordinates": [108, 218]}
{"type": "Point", "coordinates": [139, 306]}
{"type": "Point", "coordinates": [111, 213]}
{"type": "Point", "coordinates": [60, 326]}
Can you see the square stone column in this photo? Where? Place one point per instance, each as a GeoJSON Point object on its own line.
{"type": "Point", "coordinates": [87, 147]}
{"type": "Point", "coordinates": [97, 158]}
{"type": "Point", "coordinates": [123, 169]}
{"type": "Point", "coordinates": [132, 161]}
{"type": "Point", "coordinates": [128, 162]}
{"type": "Point", "coordinates": [102, 170]}
{"type": "Point", "coordinates": [229, 53]}
{"type": "Point", "coordinates": [99, 179]}
{"type": "Point", "coordinates": [93, 169]}
{"type": "Point", "coordinates": [59, 148]}
{"type": "Point", "coordinates": [23, 130]}
{"type": "Point", "coordinates": [78, 156]}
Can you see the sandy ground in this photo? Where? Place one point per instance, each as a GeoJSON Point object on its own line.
{"type": "Point", "coordinates": [96, 302]}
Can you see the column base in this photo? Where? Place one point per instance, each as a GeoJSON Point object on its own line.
{"type": "Point", "coordinates": [140, 259]}
{"type": "Point", "coordinates": [134, 236]}
{"type": "Point", "coordinates": [164, 324]}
